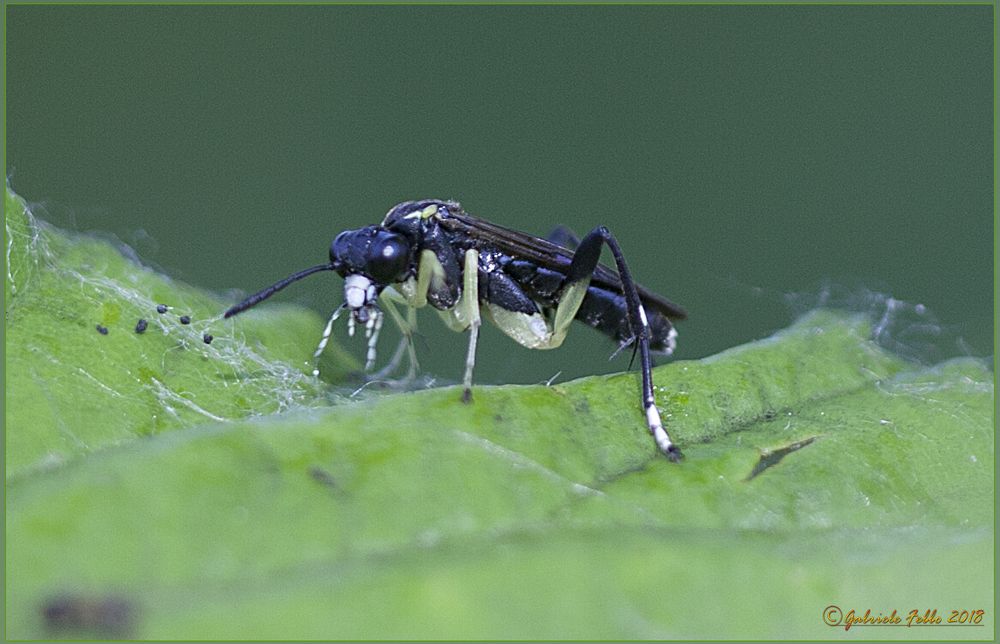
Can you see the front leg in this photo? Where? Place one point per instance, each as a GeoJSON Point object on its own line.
{"type": "Point", "coordinates": [407, 327]}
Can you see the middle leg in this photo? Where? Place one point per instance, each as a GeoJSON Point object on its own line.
{"type": "Point", "coordinates": [466, 314]}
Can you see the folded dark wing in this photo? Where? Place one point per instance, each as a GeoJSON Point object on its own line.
{"type": "Point", "coordinates": [548, 255]}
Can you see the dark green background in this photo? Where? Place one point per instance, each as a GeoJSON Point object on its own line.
{"type": "Point", "coordinates": [746, 157]}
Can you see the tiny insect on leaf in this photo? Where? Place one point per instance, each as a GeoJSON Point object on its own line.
{"type": "Point", "coordinates": [432, 252]}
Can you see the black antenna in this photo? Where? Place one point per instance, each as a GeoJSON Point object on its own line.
{"type": "Point", "coordinates": [257, 298]}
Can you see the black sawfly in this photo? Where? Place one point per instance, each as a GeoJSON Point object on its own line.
{"type": "Point", "coordinates": [433, 252]}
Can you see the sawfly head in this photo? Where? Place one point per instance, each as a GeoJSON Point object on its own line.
{"type": "Point", "coordinates": [380, 255]}
{"type": "Point", "coordinates": [369, 259]}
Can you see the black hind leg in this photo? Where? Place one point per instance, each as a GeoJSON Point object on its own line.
{"type": "Point", "coordinates": [585, 261]}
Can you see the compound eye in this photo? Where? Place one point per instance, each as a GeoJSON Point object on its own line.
{"type": "Point", "coordinates": [339, 247]}
{"type": "Point", "coordinates": [388, 258]}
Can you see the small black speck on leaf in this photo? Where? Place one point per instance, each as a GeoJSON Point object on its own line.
{"type": "Point", "coordinates": [207, 338]}
{"type": "Point", "coordinates": [103, 330]}
{"type": "Point", "coordinates": [185, 319]}
{"type": "Point", "coordinates": [322, 477]}
{"type": "Point", "coordinates": [161, 308]}
{"type": "Point", "coordinates": [140, 326]}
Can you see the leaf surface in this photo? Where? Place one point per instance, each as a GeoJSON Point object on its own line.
{"type": "Point", "coordinates": [820, 470]}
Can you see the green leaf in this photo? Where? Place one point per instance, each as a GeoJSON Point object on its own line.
{"type": "Point", "coordinates": [71, 391]}
{"type": "Point", "coordinates": [820, 470]}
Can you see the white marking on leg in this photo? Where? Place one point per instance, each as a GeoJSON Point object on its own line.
{"type": "Point", "coordinates": [470, 357]}
{"type": "Point", "coordinates": [642, 316]}
{"type": "Point", "coordinates": [656, 429]}
{"type": "Point", "coordinates": [350, 325]}
{"type": "Point", "coordinates": [373, 340]}
{"type": "Point", "coordinates": [327, 331]}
